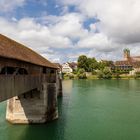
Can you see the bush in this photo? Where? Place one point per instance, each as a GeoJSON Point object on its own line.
{"type": "Point", "coordinates": [105, 74]}
{"type": "Point", "coordinates": [69, 75]}
{"type": "Point", "coordinates": [137, 75]}
{"type": "Point", "coordinates": [81, 74]}
{"type": "Point", "coordinates": [94, 72]}
{"type": "Point", "coordinates": [100, 74]}
{"type": "Point", "coordinates": [75, 72]}
{"type": "Point", "coordinates": [81, 71]}
{"type": "Point", "coordinates": [117, 76]}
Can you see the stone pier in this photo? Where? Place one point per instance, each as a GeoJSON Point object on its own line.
{"type": "Point", "coordinates": [59, 87]}
{"type": "Point", "coordinates": [36, 106]}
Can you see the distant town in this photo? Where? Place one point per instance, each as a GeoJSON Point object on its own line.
{"type": "Point", "coordinates": [90, 68]}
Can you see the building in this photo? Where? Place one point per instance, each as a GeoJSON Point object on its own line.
{"type": "Point", "coordinates": [128, 64]}
{"type": "Point", "coordinates": [66, 68]}
{"type": "Point", "coordinates": [128, 57]}
{"type": "Point", "coordinates": [69, 67]}
{"type": "Point", "coordinates": [73, 65]}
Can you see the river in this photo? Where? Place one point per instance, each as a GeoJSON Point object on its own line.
{"type": "Point", "coordinates": [89, 110]}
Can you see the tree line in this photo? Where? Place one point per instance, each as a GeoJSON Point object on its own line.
{"type": "Point", "coordinates": [87, 64]}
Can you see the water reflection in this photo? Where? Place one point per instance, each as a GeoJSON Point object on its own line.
{"type": "Point", "coordinates": [67, 87]}
{"type": "Point", "coordinates": [89, 109]}
{"type": "Point", "coordinates": [50, 131]}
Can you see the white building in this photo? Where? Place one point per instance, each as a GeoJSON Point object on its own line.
{"type": "Point", "coordinates": [66, 68]}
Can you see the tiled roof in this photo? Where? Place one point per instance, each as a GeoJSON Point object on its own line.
{"type": "Point", "coordinates": [58, 65]}
{"type": "Point", "coordinates": [135, 56]}
{"type": "Point", "coordinates": [135, 64]}
{"type": "Point", "coordinates": [72, 64]}
{"type": "Point", "coordinates": [124, 63]}
{"type": "Point", "coordinates": [14, 50]}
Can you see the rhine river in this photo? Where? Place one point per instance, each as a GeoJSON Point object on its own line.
{"type": "Point", "coordinates": [89, 110]}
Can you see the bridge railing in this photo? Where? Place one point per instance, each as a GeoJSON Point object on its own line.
{"type": "Point", "coordinates": [11, 86]}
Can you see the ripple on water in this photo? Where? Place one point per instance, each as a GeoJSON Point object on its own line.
{"type": "Point", "coordinates": [89, 110]}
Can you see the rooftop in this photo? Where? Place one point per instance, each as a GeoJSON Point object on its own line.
{"type": "Point", "coordinates": [14, 50]}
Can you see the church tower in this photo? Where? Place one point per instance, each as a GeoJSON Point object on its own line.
{"type": "Point", "coordinates": [126, 53]}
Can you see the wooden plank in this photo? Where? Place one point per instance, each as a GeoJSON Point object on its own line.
{"type": "Point", "coordinates": [11, 86]}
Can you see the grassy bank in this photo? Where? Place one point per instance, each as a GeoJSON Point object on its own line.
{"type": "Point", "coordinates": [94, 77]}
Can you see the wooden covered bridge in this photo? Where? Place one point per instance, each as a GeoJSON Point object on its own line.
{"type": "Point", "coordinates": [29, 81]}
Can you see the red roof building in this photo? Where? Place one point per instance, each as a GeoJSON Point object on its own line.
{"type": "Point", "coordinates": [129, 63]}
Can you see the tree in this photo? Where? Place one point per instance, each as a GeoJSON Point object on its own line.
{"type": "Point", "coordinates": [103, 64]}
{"type": "Point", "coordinates": [82, 62]}
{"type": "Point", "coordinates": [94, 64]}
{"type": "Point", "coordinates": [88, 64]}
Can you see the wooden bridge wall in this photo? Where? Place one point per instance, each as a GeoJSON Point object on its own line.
{"type": "Point", "coordinates": [11, 86]}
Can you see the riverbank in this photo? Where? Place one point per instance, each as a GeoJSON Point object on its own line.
{"type": "Point", "coordinates": [95, 77]}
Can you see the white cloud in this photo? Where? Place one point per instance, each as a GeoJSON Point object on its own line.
{"type": "Point", "coordinates": [119, 18]}
{"type": "Point", "coordinates": [118, 28]}
{"type": "Point", "coordinates": [98, 41]}
{"type": "Point", "coordinates": [9, 5]}
{"type": "Point", "coordinates": [34, 35]}
{"type": "Point", "coordinates": [70, 25]}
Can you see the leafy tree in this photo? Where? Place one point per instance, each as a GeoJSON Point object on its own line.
{"type": "Point", "coordinates": [92, 64]}
{"type": "Point", "coordinates": [103, 64]}
{"type": "Point", "coordinates": [88, 64]}
{"type": "Point", "coordinates": [82, 62]}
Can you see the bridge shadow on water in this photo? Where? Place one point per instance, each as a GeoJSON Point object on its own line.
{"type": "Point", "coordinates": [50, 131]}
{"type": "Point", "coordinates": [55, 130]}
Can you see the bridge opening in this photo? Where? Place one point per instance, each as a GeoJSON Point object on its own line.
{"type": "Point", "coordinates": [21, 71]}
{"type": "Point", "coordinates": [7, 70]}
{"type": "Point", "coordinates": [44, 70]}
{"type": "Point", "coordinates": [13, 71]}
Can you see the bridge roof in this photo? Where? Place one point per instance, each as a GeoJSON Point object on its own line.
{"type": "Point", "coordinates": [14, 50]}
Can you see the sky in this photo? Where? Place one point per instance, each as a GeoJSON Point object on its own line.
{"type": "Point", "coordinates": [61, 30]}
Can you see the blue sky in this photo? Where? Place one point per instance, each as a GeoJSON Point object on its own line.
{"type": "Point", "coordinates": [61, 30]}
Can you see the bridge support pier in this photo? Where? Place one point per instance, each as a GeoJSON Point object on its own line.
{"type": "Point", "coordinates": [59, 87]}
{"type": "Point", "coordinates": [36, 106]}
